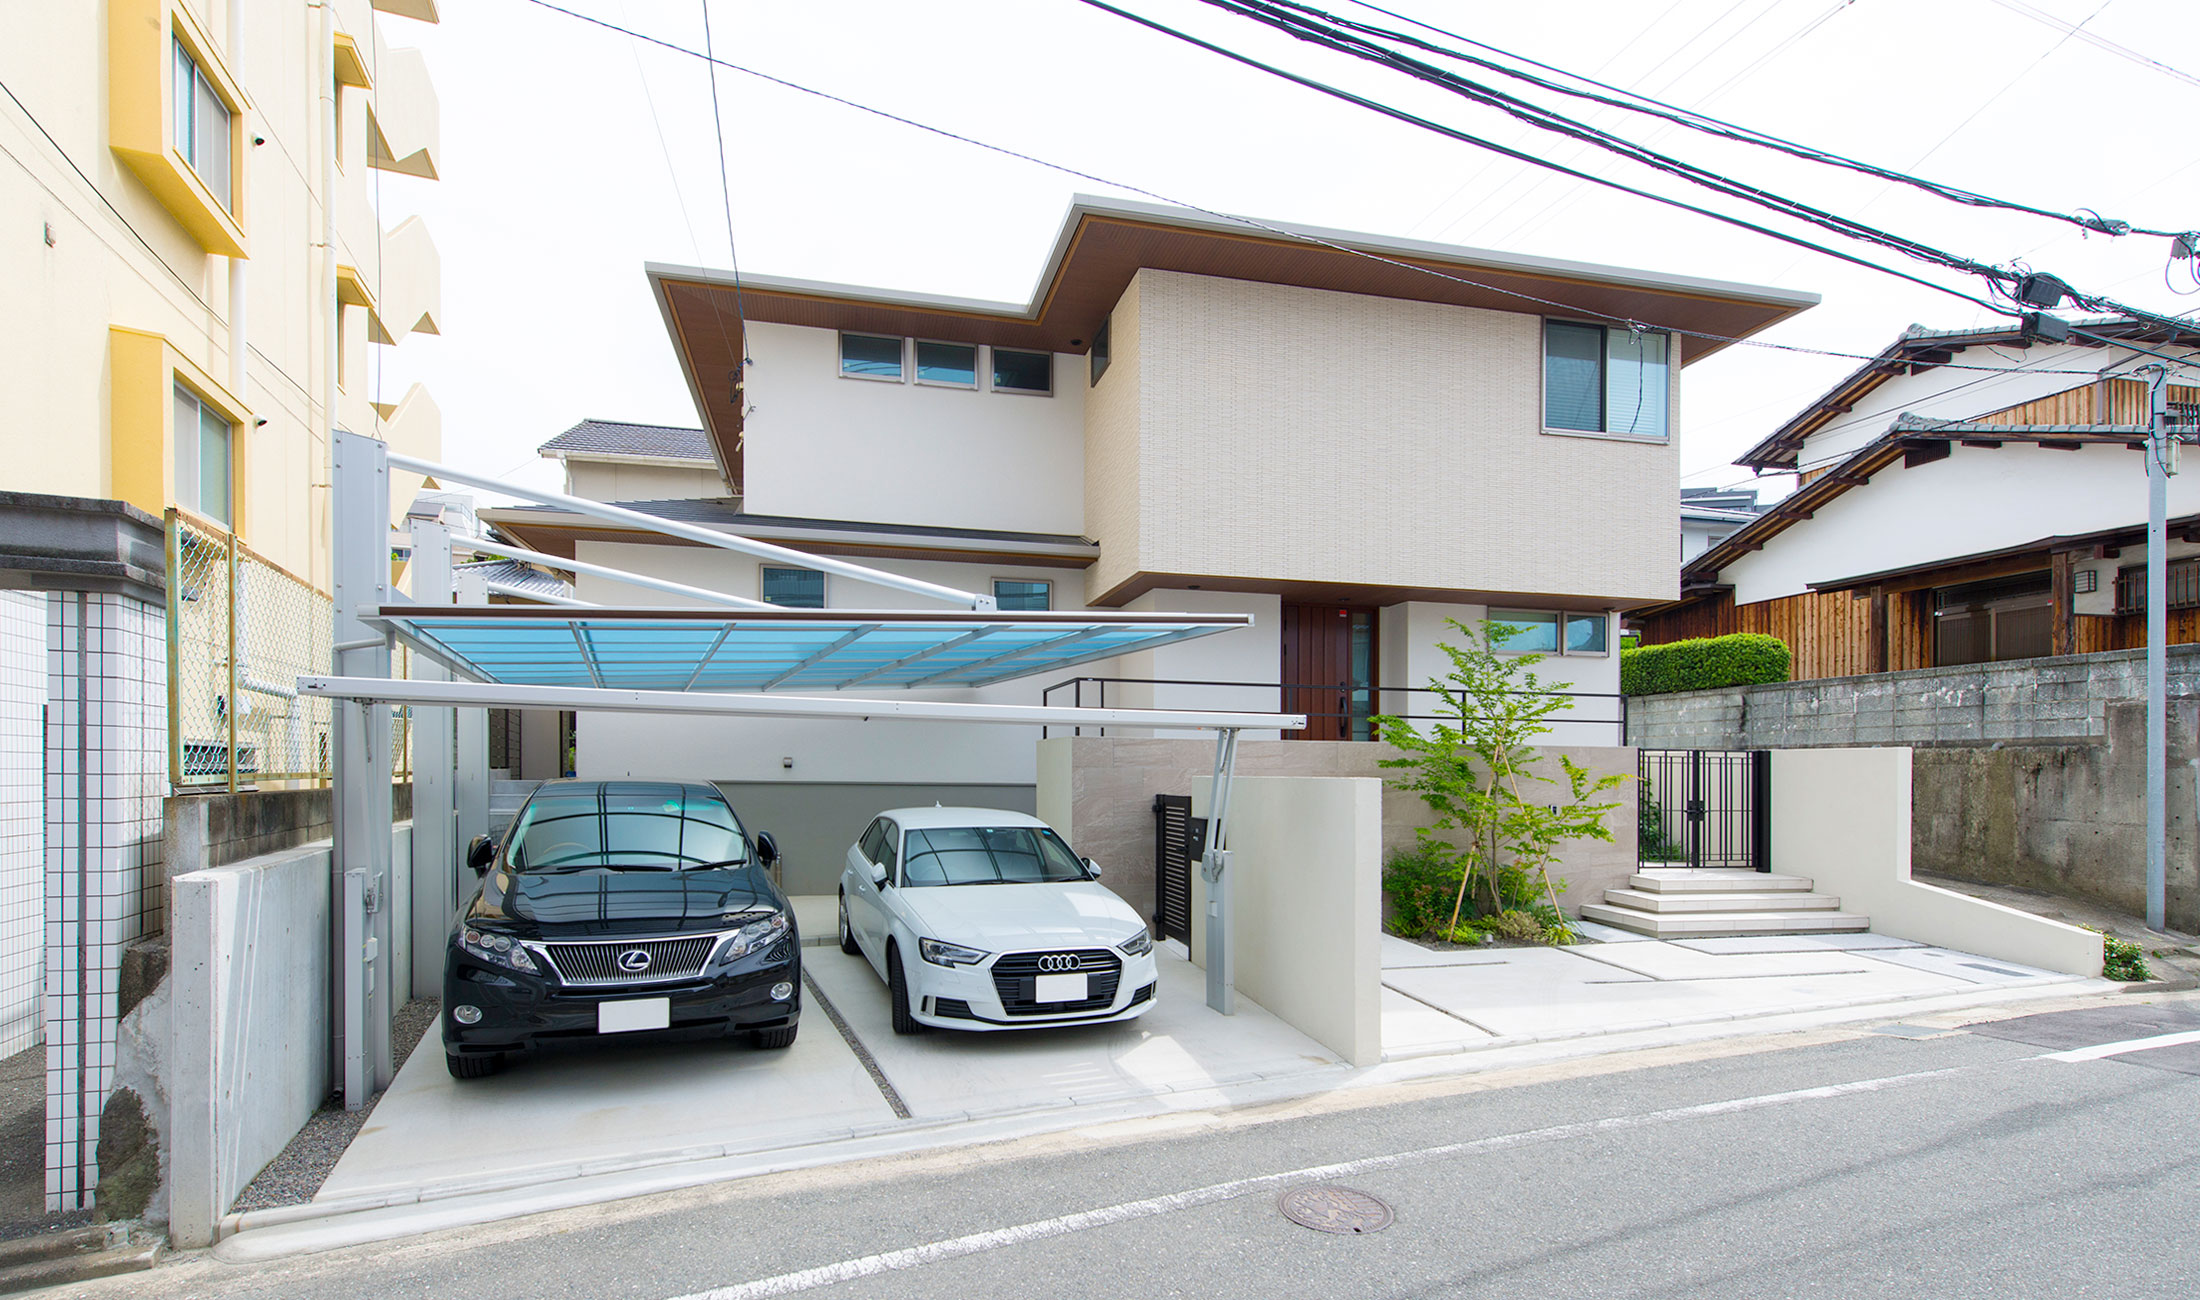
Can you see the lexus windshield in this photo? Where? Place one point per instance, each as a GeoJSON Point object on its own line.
{"type": "Point", "coordinates": [664, 829]}
{"type": "Point", "coordinates": [988, 855]}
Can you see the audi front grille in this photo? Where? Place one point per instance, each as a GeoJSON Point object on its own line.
{"type": "Point", "coordinates": [1015, 976]}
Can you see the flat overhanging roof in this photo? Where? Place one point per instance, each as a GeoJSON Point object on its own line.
{"type": "Point", "coordinates": [782, 649]}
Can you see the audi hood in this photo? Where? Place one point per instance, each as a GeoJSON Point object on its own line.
{"type": "Point", "coordinates": [997, 917]}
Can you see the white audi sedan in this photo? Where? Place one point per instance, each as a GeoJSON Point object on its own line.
{"type": "Point", "coordinates": [979, 919]}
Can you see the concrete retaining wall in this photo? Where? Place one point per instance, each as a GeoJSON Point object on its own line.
{"type": "Point", "coordinates": [1306, 906]}
{"type": "Point", "coordinates": [2023, 701]}
{"type": "Point", "coordinates": [2066, 819]}
{"type": "Point", "coordinates": [1842, 817]}
{"type": "Point", "coordinates": [1098, 792]}
{"type": "Point", "coordinates": [250, 997]}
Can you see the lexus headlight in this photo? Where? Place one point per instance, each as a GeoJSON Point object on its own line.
{"type": "Point", "coordinates": [753, 937]}
{"type": "Point", "coordinates": [497, 949]}
{"type": "Point", "coordinates": [1138, 945]}
{"type": "Point", "coordinates": [949, 954]}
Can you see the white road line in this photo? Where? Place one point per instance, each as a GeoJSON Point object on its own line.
{"type": "Point", "coordinates": [978, 1242]}
{"type": "Point", "coordinates": [2100, 1050]}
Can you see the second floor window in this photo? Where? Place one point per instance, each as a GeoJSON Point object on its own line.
{"type": "Point", "coordinates": [1103, 348]}
{"type": "Point", "coordinates": [1016, 593]}
{"type": "Point", "coordinates": [1022, 372]}
{"type": "Point", "coordinates": [871, 356]}
{"type": "Point", "coordinates": [203, 462]}
{"type": "Point", "coordinates": [793, 588]}
{"type": "Point", "coordinates": [1599, 379]}
{"type": "Point", "coordinates": [952, 365]}
{"type": "Point", "coordinates": [201, 124]}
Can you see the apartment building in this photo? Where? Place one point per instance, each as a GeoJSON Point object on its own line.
{"type": "Point", "coordinates": [194, 276]}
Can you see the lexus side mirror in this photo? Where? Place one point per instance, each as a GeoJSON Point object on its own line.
{"type": "Point", "coordinates": [1092, 867]}
{"type": "Point", "coordinates": [481, 853]}
{"type": "Point", "coordinates": [878, 873]}
{"type": "Point", "coordinates": [767, 849]}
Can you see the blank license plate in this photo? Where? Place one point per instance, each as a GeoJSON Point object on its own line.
{"type": "Point", "coordinates": [1058, 988]}
{"type": "Point", "coordinates": [626, 1017]}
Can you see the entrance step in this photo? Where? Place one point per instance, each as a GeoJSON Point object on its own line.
{"type": "Point", "coordinates": [1707, 925]}
{"type": "Point", "coordinates": [1681, 880]}
{"type": "Point", "coordinates": [1765, 901]}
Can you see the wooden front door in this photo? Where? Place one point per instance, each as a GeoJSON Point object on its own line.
{"type": "Point", "coordinates": [1329, 670]}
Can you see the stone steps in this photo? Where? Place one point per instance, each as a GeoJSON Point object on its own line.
{"type": "Point", "coordinates": [1676, 903]}
{"type": "Point", "coordinates": [75, 1255]}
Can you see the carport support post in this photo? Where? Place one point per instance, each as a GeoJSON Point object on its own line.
{"type": "Point", "coordinates": [434, 854]}
{"type": "Point", "coordinates": [472, 775]}
{"type": "Point", "coordinates": [1214, 868]}
{"type": "Point", "coordinates": [360, 742]}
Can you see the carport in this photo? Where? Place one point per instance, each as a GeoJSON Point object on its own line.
{"type": "Point", "coordinates": [735, 659]}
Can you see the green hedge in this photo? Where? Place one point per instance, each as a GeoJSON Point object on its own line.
{"type": "Point", "coordinates": [1706, 663]}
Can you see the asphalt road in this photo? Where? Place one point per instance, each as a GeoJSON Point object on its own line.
{"type": "Point", "coordinates": [1842, 1163]}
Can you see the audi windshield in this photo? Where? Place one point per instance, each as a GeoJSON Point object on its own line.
{"type": "Point", "coordinates": [667, 828]}
{"type": "Point", "coordinates": [988, 855]}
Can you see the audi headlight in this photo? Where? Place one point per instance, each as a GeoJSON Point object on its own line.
{"type": "Point", "coordinates": [1138, 945]}
{"type": "Point", "coordinates": [497, 949]}
{"type": "Point", "coordinates": [949, 954]}
{"type": "Point", "coordinates": [753, 937]}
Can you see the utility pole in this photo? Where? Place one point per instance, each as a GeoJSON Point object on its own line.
{"type": "Point", "coordinates": [2161, 457]}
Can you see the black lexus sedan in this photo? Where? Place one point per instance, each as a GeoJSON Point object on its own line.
{"type": "Point", "coordinates": [617, 908]}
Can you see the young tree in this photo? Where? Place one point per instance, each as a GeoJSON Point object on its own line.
{"type": "Point", "coordinates": [1475, 761]}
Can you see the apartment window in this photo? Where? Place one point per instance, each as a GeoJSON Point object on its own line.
{"type": "Point", "coordinates": [204, 470]}
{"type": "Point", "coordinates": [1101, 348]}
{"type": "Point", "coordinates": [1023, 372]}
{"type": "Point", "coordinates": [201, 123]}
{"type": "Point", "coordinates": [793, 588]}
{"type": "Point", "coordinates": [1549, 632]}
{"type": "Point", "coordinates": [1604, 380]}
{"type": "Point", "coordinates": [950, 365]}
{"type": "Point", "coordinates": [871, 356]}
{"type": "Point", "coordinates": [1015, 593]}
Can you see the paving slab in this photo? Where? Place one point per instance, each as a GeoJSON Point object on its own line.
{"type": "Point", "coordinates": [1178, 1048]}
{"type": "Point", "coordinates": [1966, 966]}
{"type": "Point", "coordinates": [570, 1107]}
{"type": "Point", "coordinates": [1602, 933]}
{"type": "Point", "coordinates": [1395, 952]}
{"type": "Point", "coordinates": [1670, 961]}
{"type": "Point", "coordinates": [1864, 942]}
{"type": "Point", "coordinates": [1416, 1028]}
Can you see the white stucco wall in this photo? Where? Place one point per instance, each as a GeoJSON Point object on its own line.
{"type": "Point", "coordinates": [1945, 393]}
{"type": "Point", "coordinates": [818, 445]}
{"type": "Point", "coordinates": [1975, 500]}
{"type": "Point", "coordinates": [614, 481]}
{"type": "Point", "coordinates": [1411, 636]}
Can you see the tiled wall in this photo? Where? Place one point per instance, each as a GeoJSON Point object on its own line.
{"type": "Point", "coordinates": [106, 773]}
{"type": "Point", "coordinates": [22, 828]}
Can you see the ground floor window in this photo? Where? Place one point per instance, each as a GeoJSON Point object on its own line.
{"type": "Point", "coordinates": [1985, 622]}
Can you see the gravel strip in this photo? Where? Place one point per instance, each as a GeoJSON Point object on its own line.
{"type": "Point", "coordinates": [293, 1177]}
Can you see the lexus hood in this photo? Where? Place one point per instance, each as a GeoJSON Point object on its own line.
{"type": "Point", "coordinates": [609, 900]}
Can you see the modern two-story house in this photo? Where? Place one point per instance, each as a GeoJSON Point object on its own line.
{"type": "Point", "coordinates": [1350, 438]}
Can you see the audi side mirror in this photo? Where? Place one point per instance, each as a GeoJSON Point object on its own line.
{"type": "Point", "coordinates": [481, 853]}
{"type": "Point", "coordinates": [878, 873]}
{"type": "Point", "coordinates": [767, 849]}
{"type": "Point", "coordinates": [1092, 867]}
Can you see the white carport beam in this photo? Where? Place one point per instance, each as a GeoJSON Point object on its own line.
{"type": "Point", "coordinates": [706, 703]}
{"type": "Point", "coordinates": [692, 533]}
{"type": "Point", "coordinates": [511, 552]}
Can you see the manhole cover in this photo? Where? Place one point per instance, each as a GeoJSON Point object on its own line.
{"type": "Point", "coordinates": [1334, 1209]}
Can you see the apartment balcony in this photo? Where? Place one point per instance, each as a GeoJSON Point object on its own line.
{"type": "Point", "coordinates": [422, 10]}
{"type": "Point", "coordinates": [404, 120]}
{"type": "Point", "coordinates": [408, 293]}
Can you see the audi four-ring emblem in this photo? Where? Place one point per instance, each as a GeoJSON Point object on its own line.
{"type": "Point", "coordinates": [1059, 961]}
{"type": "Point", "coordinates": [634, 961]}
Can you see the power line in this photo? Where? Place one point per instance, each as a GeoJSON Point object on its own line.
{"type": "Point", "coordinates": [1711, 125]}
{"type": "Point", "coordinates": [1386, 110]}
{"type": "Point", "coordinates": [2098, 42]}
{"type": "Point", "coordinates": [1280, 232]}
{"type": "Point", "coordinates": [725, 191]}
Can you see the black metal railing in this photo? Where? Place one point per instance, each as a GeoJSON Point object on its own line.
{"type": "Point", "coordinates": [1704, 808]}
{"type": "Point", "coordinates": [1097, 688]}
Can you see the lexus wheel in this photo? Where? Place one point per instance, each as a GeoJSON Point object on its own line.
{"type": "Point", "coordinates": [473, 1067]}
{"type": "Point", "coordinates": [776, 1038]}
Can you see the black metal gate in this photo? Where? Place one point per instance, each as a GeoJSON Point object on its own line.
{"type": "Point", "coordinates": [1177, 837]}
{"type": "Point", "coordinates": [1705, 808]}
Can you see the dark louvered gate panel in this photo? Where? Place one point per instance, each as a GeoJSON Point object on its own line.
{"type": "Point", "coordinates": [1172, 865]}
{"type": "Point", "coordinates": [1705, 807]}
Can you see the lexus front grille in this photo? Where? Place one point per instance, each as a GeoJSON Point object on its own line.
{"type": "Point", "coordinates": [631, 961]}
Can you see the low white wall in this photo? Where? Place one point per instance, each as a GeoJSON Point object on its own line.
{"type": "Point", "coordinates": [1306, 905]}
{"type": "Point", "coordinates": [1842, 817]}
{"type": "Point", "coordinates": [251, 1038]}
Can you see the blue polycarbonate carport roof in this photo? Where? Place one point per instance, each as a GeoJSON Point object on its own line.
{"type": "Point", "coordinates": [729, 650]}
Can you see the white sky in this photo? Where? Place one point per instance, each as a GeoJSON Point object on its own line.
{"type": "Point", "coordinates": [571, 155]}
